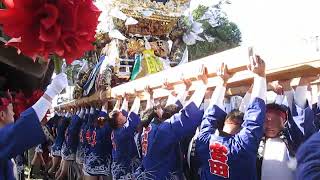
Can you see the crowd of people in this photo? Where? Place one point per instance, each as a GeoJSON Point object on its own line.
{"type": "Point", "coordinates": [180, 138]}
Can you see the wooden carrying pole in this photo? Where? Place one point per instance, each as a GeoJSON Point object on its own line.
{"type": "Point", "coordinates": [278, 67]}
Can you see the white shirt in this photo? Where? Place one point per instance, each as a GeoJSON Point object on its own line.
{"type": "Point", "coordinates": [275, 161]}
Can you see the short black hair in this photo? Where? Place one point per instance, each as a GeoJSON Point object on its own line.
{"type": "Point", "coordinates": [281, 108]}
{"type": "Point", "coordinates": [274, 106]}
{"type": "Point", "coordinates": [112, 120]}
{"type": "Point", "coordinates": [169, 111]}
{"type": "Point", "coordinates": [235, 116]}
{"type": "Point", "coordinates": [148, 116]}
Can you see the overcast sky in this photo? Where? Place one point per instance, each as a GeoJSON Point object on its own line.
{"type": "Point", "coordinates": [272, 21]}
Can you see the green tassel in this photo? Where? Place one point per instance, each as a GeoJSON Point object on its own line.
{"type": "Point", "coordinates": [57, 64]}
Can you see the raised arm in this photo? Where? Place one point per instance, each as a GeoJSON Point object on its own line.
{"type": "Point", "coordinates": [150, 100]}
{"type": "Point", "coordinates": [125, 103]}
{"type": "Point", "coordinates": [288, 92]}
{"type": "Point", "coordinates": [13, 139]}
{"type": "Point", "coordinates": [200, 91]}
{"type": "Point", "coordinates": [173, 95]}
{"type": "Point", "coordinates": [87, 111]}
{"type": "Point", "coordinates": [117, 106]}
{"type": "Point", "coordinates": [178, 97]}
{"type": "Point", "coordinates": [105, 107]}
{"type": "Point", "coordinates": [149, 113]}
{"type": "Point", "coordinates": [185, 122]}
{"type": "Point", "coordinates": [215, 112]}
{"type": "Point", "coordinates": [133, 118]}
{"type": "Point", "coordinates": [302, 114]}
{"type": "Point", "coordinates": [184, 93]}
{"type": "Point", "coordinates": [172, 98]}
{"type": "Point", "coordinates": [44, 103]}
{"type": "Point", "coordinates": [245, 101]}
{"type": "Point", "coordinates": [92, 111]}
{"type": "Point", "coordinates": [252, 128]}
{"type": "Point", "coordinates": [300, 96]}
{"type": "Point", "coordinates": [136, 105]}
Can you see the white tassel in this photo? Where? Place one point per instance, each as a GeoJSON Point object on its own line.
{"type": "Point", "coordinates": [198, 38]}
{"type": "Point", "coordinates": [197, 28]}
{"type": "Point", "coordinates": [147, 44]}
{"type": "Point", "coordinates": [189, 39]}
{"type": "Point", "coordinates": [118, 14]}
{"type": "Point", "coordinates": [117, 35]}
{"type": "Point", "coordinates": [131, 21]}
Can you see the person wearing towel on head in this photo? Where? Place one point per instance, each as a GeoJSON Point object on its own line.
{"type": "Point", "coordinates": [289, 122]}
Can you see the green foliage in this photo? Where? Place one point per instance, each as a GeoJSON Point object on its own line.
{"type": "Point", "coordinates": [72, 72]}
{"type": "Point", "coordinates": [227, 35]}
{"type": "Point", "coordinates": [199, 12]}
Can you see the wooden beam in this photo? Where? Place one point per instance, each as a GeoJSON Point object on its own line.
{"type": "Point", "coordinates": [278, 67]}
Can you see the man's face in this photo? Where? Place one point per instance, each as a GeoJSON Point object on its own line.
{"type": "Point", "coordinates": [6, 116]}
{"type": "Point", "coordinates": [273, 125]}
{"type": "Point", "coordinates": [121, 119]}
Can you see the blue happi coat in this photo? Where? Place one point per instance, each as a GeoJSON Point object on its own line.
{"type": "Point", "coordinates": [89, 140]}
{"type": "Point", "coordinates": [316, 111]}
{"type": "Point", "coordinates": [71, 139]}
{"type": "Point", "coordinates": [232, 157]}
{"type": "Point", "coordinates": [300, 126]}
{"type": "Point", "coordinates": [124, 151]}
{"type": "Point", "coordinates": [53, 122]}
{"type": "Point", "coordinates": [61, 129]}
{"type": "Point", "coordinates": [17, 138]}
{"type": "Point", "coordinates": [82, 141]}
{"type": "Point", "coordinates": [98, 161]}
{"type": "Point", "coordinates": [160, 144]}
{"type": "Point", "coordinates": [51, 125]}
{"type": "Point", "coordinates": [308, 159]}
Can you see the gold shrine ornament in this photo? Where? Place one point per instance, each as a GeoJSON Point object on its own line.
{"type": "Point", "coordinates": [160, 20]}
{"type": "Point", "coordinates": [172, 8]}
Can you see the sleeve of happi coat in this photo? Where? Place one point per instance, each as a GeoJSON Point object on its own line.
{"type": "Point", "coordinates": [72, 141]}
{"type": "Point", "coordinates": [183, 123]}
{"type": "Point", "coordinates": [252, 128]}
{"type": "Point", "coordinates": [19, 137]}
{"type": "Point", "coordinates": [213, 115]}
{"type": "Point", "coordinates": [302, 114]}
{"type": "Point", "coordinates": [316, 111]}
{"type": "Point", "coordinates": [133, 120]}
{"type": "Point", "coordinates": [308, 159]}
